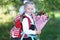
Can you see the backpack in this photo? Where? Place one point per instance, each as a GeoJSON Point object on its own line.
{"type": "Point", "coordinates": [16, 31]}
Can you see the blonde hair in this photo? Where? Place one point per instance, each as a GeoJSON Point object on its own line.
{"type": "Point", "coordinates": [30, 3]}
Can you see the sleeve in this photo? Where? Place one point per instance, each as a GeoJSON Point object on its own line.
{"type": "Point", "coordinates": [26, 27]}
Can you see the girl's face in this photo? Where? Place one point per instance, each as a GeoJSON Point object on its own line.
{"type": "Point", "coordinates": [29, 9]}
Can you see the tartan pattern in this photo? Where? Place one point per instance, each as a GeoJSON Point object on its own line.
{"type": "Point", "coordinates": [15, 32]}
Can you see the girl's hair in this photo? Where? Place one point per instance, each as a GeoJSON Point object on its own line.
{"type": "Point", "coordinates": [30, 3]}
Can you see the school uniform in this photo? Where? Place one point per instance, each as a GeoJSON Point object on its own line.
{"type": "Point", "coordinates": [28, 28]}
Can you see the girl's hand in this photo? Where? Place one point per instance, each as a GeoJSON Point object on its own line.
{"type": "Point", "coordinates": [38, 32]}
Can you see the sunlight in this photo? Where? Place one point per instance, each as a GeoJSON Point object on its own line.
{"type": "Point", "coordinates": [57, 15]}
{"type": "Point", "coordinates": [6, 18]}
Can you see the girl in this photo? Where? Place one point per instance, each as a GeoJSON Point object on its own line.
{"type": "Point", "coordinates": [28, 25]}
{"type": "Point", "coordinates": [27, 28]}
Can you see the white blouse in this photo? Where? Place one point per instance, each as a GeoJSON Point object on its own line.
{"type": "Point", "coordinates": [26, 25]}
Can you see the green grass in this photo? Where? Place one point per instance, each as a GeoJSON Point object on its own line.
{"type": "Point", "coordinates": [4, 31]}
{"type": "Point", "coordinates": [51, 31]}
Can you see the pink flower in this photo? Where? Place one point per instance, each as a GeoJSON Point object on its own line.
{"type": "Point", "coordinates": [40, 21]}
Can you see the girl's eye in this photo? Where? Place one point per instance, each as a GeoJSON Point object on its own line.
{"type": "Point", "coordinates": [31, 9]}
{"type": "Point", "coordinates": [28, 8]}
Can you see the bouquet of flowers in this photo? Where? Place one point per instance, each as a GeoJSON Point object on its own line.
{"type": "Point", "coordinates": [40, 20]}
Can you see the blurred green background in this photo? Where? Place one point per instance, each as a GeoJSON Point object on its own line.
{"type": "Point", "coordinates": [10, 8]}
